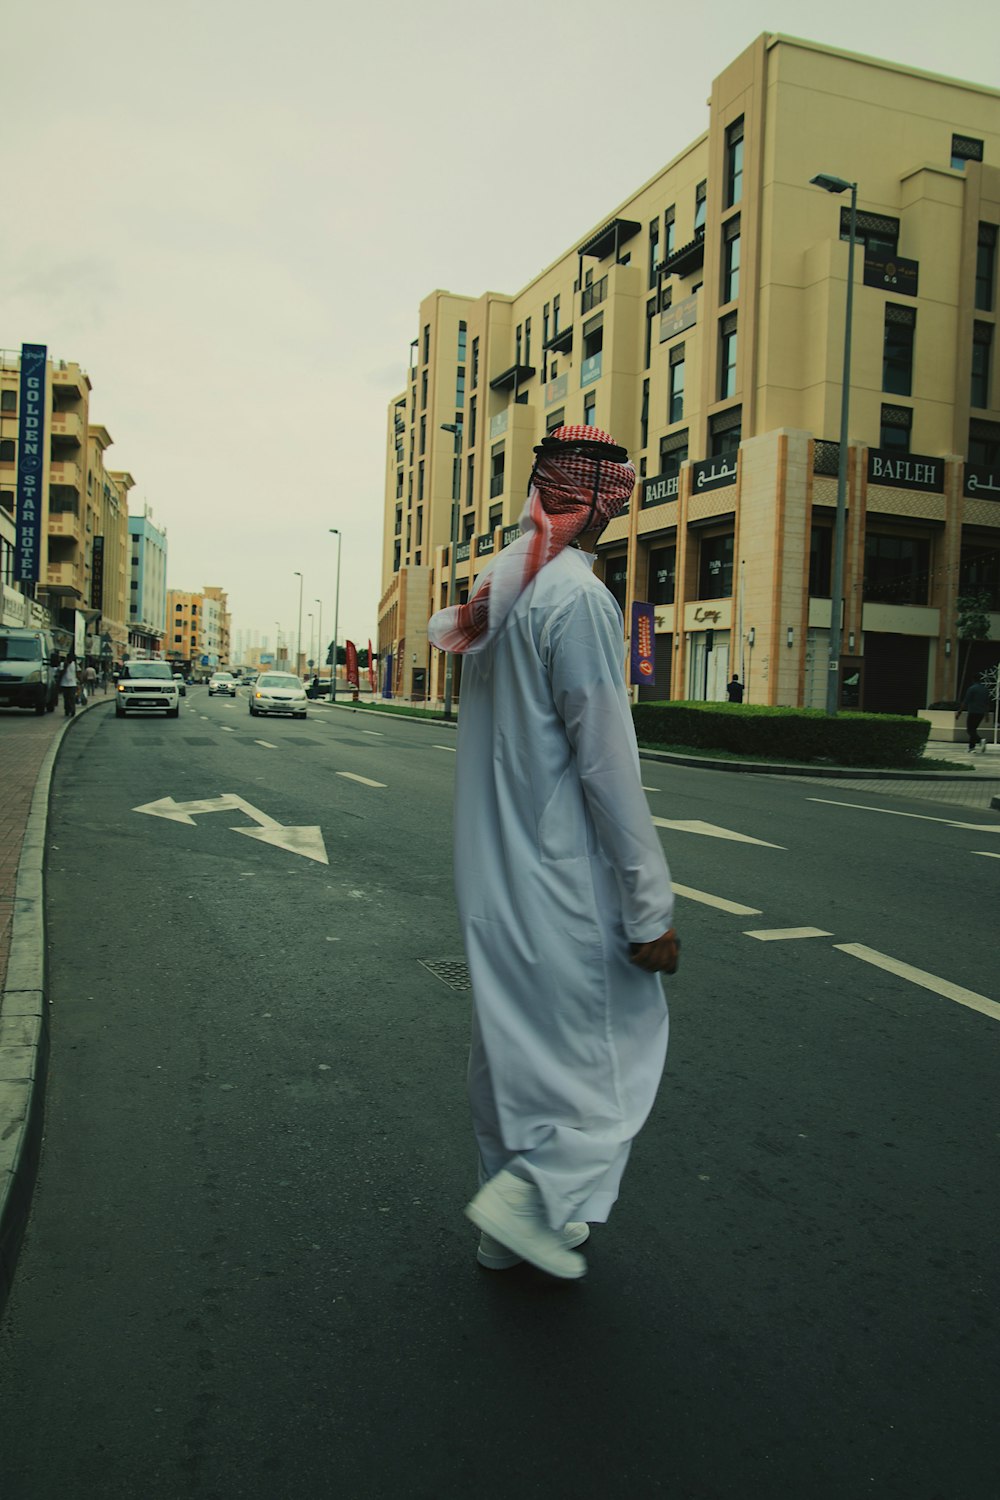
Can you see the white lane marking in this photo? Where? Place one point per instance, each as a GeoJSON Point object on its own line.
{"type": "Point", "coordinates": [718, 901]}
{"type": "Point", "coordinates": [920, 976]}
{"type": "Point", "coordinates": [204, 718]}
{"type": "Point", "coordinates": [986, 853]}
{"type": "Point", "coordinates": [452, 749]}
{"type": "Point", "coordinates": [365, 780]}
{"type": "Point", "coordinates": [266, 743]}
{"type": "Point", "coordinates": [922, 817]}
{"type": "Point", "coordinates": [782, 934]}
{"type": "Point", "coordinates": [711, 831]}
{"type": "Point", "coordinates": [226, 729]}
{"type": "Point", "coordinates": [651, 788]}
{"type": "Point", "coordinates": [304, 840]}
{"type": "Point", "coordinates": [379, 733]}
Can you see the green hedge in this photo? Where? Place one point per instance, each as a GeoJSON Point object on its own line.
{"type": "Point", "coordinates": [801, 734]}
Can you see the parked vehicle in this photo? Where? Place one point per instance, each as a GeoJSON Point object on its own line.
{"type": "Point", "coordinates": [147, 687]}
{"type": "Point", "coordinates": [278, 693]}
{"type": "Point", "coordinates": [28, 672]}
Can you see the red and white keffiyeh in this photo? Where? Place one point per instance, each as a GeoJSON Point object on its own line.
{"type": "Point", "coordinates": [569, 493]}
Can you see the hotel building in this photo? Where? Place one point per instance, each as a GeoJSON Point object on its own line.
{"type": "Point", "coordinates": [702, 324]}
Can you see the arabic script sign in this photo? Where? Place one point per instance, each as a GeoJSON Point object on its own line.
{"type": "Point", "coordinates": [643, 652]}
{"type": "Point", "coordinates": [982, 484]}
{"type": "Point", "coordinates": [713, 473]}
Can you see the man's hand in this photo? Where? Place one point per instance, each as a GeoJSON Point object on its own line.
{"type": "Point", "coordinates": [660, 956]}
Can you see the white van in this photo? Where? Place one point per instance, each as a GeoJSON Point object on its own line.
{"type": "Point", "coordinates": [27, 673]}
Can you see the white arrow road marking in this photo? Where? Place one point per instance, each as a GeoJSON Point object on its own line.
{"type": "Point", "coordinates": [986, 853]}
{"type": "Point", "coordinates": [783, 934]}
{"type": "Point", "coordinates": [452, 749]}
{"type": "Point", "coordinates": [365, 781]}
{"type": "Point", "coordinates": [695, 825]}
{"type": "Point", "coordinates": [920, 976]}
{"type": "Point", "coordinates": [305, 840]}
{"type": "Point", "coordinates": [717, 901]}
{"type": "Point", "coordinates": [651, 788]}
{"type": "Point", "coordinates": [922, 817]}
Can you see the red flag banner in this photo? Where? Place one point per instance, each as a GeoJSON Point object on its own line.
{"type": "Point", "coordinates": [371, 665]}
{"type": "Point", "coordinates": [351, 662]}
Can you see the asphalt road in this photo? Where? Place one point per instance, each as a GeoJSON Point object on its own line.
{"type": "Point", "coordinates": [248, 1274]}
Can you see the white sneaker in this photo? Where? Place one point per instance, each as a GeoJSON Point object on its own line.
{"type": "Point", "coordinates": [496, 1257]}
{"type": "Point", "coordinates": [510, 1210]}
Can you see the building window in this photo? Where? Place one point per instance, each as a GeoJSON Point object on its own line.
{"type": "Point", "coordinates": [734, 163]}
{"type": "Point", "coordinates": [725, 430]}
{"type": "Point", "coordinates": [982, 349]}
{"type": "Point", "coordinates": [878, 233]}
{"type": "Point", "coordinates": [8, 401]}
{"type": "Point", "coordinates": [986, 263]}
{"type": "Point", "coordinates": [616, 578]}
{"type": "Point", "coordinates": [700, 205]}
{"type": "Point", "coordinates": [423, 390]}
{"type": "Point", "coordinates": [7, 501]}
{"type": "Point", "coordinates": [590, 409]}
{"type": "Point", "coordinates": [715, 567]}
{"type": "Point", "coordinates": [555, 419]}
{"type": "Point", "coordinates": [496, 471]}
{"type": "Point", "coordinates": [727, 357]}
{"type": "Point", "coordinates": [654, 250]}
{"type": "Point", "coordinates": [460, 387]}
{"type": "Point", "coordinates": [423, 434]}
{"type": "Point", "coordinates": [555, 315]}
{"type": "Point", "coordinates": [395, 557]}
{"type": "Point", "coordinates": [472, 421]}
{"type": "Point", "coordinates": [675, 398]}
{"type": "Point", "coordinates": [470, 479]}
{"type": "Point", "coordinates": [420, 524]}
{"type": "Point", "coordinates": [399, 484]}
{"type": "Point", "coordinates": [897, 568]}
{"type": "Point", "coordinates": [427, 344]}
{"type": "Point", "coordinates": [398, 528]}
{"type": "Point", "coordinates": [894, 430]}
{"type": "Point", "coordinates": [7, 451]}
{"type": "Point", "coordinates": [462, 333]}
{"type": "Point", "coordinates": [651, 311]}
{"type": "Point", "coordinates": [420, 484]}
{"type": "Point", "coordinates": [662, 575]}
{"type": "Point", "coordinates": [527, 341]}
{"type": "Point", "coordinates": [468, 526]}
{"type": "Point", "coordinates": [669, 233]}
{"type": "Point", "coordinates": [731, 259]}
{"type": "Point", "coordinates": [965, 148]}
{"type": "Point", "coordinates": [897, 349]}
{"type": "Point", "coordinates": [820, 561]}
{"type": "Point", "coordinates": [496, 517]}
{"type": "Point", "coordinates": [673, 453]}
{"type": "Point", "coordinates": [644, 416]}
{"type": "Point", "coordinates": [984, 444]}
{"type": "Point", "coordinates": [979, 571]}
{"type": "Point", "coordinates": [475, 364]}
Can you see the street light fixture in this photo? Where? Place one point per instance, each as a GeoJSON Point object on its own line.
{"type": "Point", "coordinates": [319, 638]}
{"type": "Point", "coordinates": [336, 618]}
{"type": "Point", "coordinates": [455, 428]}
{"type": "Point", "coordinates": [298, 639]}
{"type": "Point", "coordinates": [277, 644]}
{"type": "Point", "coordinates": [837, 185]}
{"type": "Point", "coordinates": [311, 657]}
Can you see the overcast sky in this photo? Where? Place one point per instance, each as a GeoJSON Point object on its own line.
{"type": "Point", "coordinates": [228, 210]}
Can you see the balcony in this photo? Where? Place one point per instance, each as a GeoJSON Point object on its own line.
{"type": "Point", "coordinates": [65, 524]}
{"type": "Point", "coordinates": [69, 383]}
{"type": "Point", "coordinates": [65, 473]}
{"type": "Point", "coordinates": [64, 578]}
{"type": "Point", "coordinates": [66, 429]}
{"type": "Point", "coordinates": [561, 342]}
{"type": "Point", "coordinates": [611, 237]}
{"type": "Point", "coordinates": [593, 296]}
{"type": "Point", "coordinates": [512, 378]}
{"type": "Point", "coordinates": [590, 370]}
{"type": "Point", "coordinates": [686, 259]}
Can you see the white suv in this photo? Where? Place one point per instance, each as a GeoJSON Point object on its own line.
{"type": "Point", "coordinates": [147, 687]}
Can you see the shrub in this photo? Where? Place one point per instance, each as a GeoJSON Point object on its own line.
{"type": "Point", "coordinates": [804, 734]}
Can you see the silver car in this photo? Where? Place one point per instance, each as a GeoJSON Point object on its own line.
{"type": "Point", "coordinates": [278, 693]}
{"type": "Point", "coordinates": [222, 682]}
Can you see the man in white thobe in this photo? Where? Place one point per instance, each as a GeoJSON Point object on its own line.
{"type": "Point", "coordinates": [564, 895]}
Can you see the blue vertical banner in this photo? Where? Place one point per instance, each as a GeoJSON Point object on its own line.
{"type": "Point", "coordinates": [30, 462]}
{"type": "Point", "coordinates": [643, 651]}
{"type": "Point", "coordinates": [387, 675]}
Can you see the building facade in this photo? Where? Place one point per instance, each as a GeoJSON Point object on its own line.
{"type": "Point", "coordinates": [147, 584]}
{"type": "Point", "coordinates": [198, 630]}
{"type": "Point", "coordinates": [703, 325]}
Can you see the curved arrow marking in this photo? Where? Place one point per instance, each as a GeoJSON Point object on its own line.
{"type": "Point", "coordinates": [306, 840]}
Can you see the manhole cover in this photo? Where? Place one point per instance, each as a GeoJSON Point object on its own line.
{"type": "Point", "coordinates": [454, 972]}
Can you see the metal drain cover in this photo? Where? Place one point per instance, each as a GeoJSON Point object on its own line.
{"type": "Point", "coordinates": [454, 972]}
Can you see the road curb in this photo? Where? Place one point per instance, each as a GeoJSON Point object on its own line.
{"type": "Point", "coordinates": [24, 1029]}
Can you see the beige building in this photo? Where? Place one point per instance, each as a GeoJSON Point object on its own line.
{"type": "Point", "coordinates": [198, 627]}
{"type": "Point", "coordinates": [703, 325]}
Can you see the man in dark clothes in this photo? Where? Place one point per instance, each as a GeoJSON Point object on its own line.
{"type": "Point", "coordinates": [734, 690]}
{"type": "Point", "coordinates": [977, 702]}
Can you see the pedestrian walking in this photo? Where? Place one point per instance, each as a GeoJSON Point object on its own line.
{"type": "Point", "coordinates": [734, 689]}
{"type": "Point", "coordinates": [564, 894]}
{"type": "Point", "coordinates": [68, 682]}
{"type": "Point", "coordinates": [974, 706]}
{"type": "Point", "coordinates": [89, 681]}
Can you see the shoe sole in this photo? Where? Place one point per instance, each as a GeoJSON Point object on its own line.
{"type": "Point", "coordinates": [507, 1262]}
{"type": "Point", "coordinates": [486, 1222]}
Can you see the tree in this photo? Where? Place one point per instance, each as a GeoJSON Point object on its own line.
{"type": "Point", "coordinates": [972, 623]}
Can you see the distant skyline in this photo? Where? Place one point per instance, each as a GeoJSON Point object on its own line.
{"type": "Point", "coordinates": [222, 214]}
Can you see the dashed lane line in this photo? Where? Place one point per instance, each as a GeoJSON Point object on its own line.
{"type": "Point", "coordinates": [786, 934]}
{"type": "Point", "coordinates": [227, 729]}
{"type": "Point", "coordinates": [378, 733]}
{"type": "Point", "coordinates": [266, 743]}
{"type": "Point", "coordinates": [451, 749]}
{"type": "Point", "coordinates": [364, 780]}
{"type": "Point", "coordinates": [707, 899]}
{"type": "Point", "coordinates": [985, 853]}
{"type": "Point", "coordinates": [921, 977]}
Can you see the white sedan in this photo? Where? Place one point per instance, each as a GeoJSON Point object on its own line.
{"type": "Point", "coordinates": [278, 693]}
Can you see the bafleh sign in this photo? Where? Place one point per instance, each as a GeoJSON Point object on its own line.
{"type": "Point", "coordinates": [905, 471]}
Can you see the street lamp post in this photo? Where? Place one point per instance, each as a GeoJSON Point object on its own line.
{"type": "Point", "coordinates": [319, 637]}
{"type": "Point", "coordinates": [298, 638]}
{"type": "Point", "coordinates": [277, 643]}
{"type": "Point", "coordinates": [455, 428]}
{"type": "Point", "coordinates": [336, 618]}
{"type": "Point", "coordinates": [839, 185]}
{"type": "Point", "coordinates": [311, 656]}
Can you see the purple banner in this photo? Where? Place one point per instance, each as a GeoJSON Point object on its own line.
{"type": "Point", "coordinates": [643, 646]}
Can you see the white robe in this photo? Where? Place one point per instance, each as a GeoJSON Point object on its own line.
{"type": "Point", "coordinates": [558, 868]}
